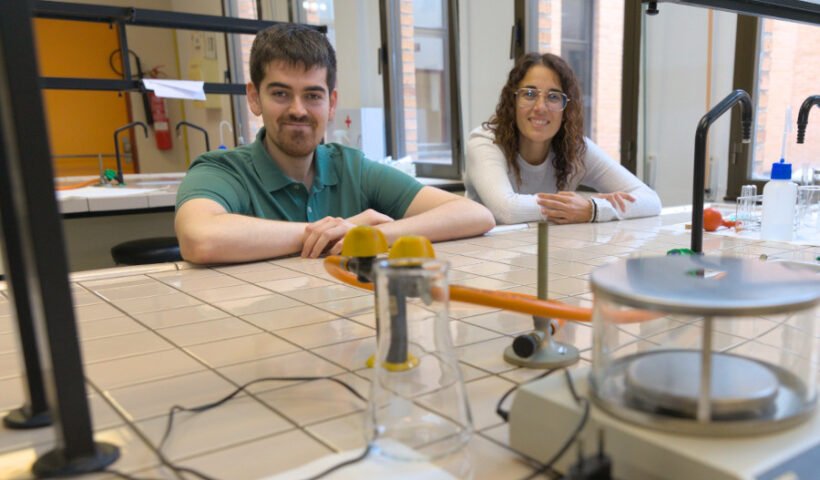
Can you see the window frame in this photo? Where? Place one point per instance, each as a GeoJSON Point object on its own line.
{"type": "Point", "coordinates": [391, 70]}
{"type": "Point", "coordinates": [745, 77]}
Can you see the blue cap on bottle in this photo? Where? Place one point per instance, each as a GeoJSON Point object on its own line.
{"type": "Point", "coordinates": [781, 170]}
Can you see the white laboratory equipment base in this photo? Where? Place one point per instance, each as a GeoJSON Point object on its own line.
{"type": "Point", "coordinates": [544, 413]}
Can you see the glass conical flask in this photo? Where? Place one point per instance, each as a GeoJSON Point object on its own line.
{"type": "Point", "coordinates": [418, 406]}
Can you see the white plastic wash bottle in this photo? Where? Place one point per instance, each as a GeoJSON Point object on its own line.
{"type": "Point", "coordinates": [779, 199]}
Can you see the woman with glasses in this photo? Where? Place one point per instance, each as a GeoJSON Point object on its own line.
{"type": "Point", "coordinates": [525, 163]}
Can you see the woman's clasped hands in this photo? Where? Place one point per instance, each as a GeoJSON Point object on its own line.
{"type": "Point", "coordinates": [570, 207]}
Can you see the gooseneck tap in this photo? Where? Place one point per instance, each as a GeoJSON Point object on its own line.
{"type": "Point", "coordinates": [738, 96]}
{"type": "Point", "coordinates": [196, 127]}
{"type": "Point", "coordinates": [803, 116]}
{"type": "Point", "coordinates": [119, 177]}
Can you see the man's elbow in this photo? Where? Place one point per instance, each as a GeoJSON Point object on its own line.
{"type": "Point", "coordinates": [484, 220]}
{"type": "Point", "coordinates": [198, 249]}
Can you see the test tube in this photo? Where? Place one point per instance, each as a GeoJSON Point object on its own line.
{"type": "Point", "coordinates": [746, 203]}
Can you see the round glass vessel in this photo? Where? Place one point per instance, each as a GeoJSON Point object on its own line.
{"type": "Point", "coordinates": [721, 346]}
{"type": "Point", "coordinates": [418, 407]}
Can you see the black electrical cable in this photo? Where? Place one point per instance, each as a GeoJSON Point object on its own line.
{"type": "Point", "coordinates": [573, 436]}
{"type": "Point", "coordinates": [505, 415]}
{"type": "Point", "coordinates": [137, 61]}
{"type": "Point", "coordinates": [125, 476]}
{"type": "Point", "coordinates": [201, 408]}
{"type": "Point", "coordinates": [361, 457]}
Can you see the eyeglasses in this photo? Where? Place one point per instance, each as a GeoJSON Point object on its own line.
{"type": "Point", "coordinates": [555, 101]}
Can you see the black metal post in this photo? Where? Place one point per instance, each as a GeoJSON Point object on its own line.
{"type": "Point", "coordinates": [124, 55]}
{"type": "Point", "coordinates": [34, 412]}
{"type": "Point", "coordinates": [120, 179]}
{"type": "Point", "coordinates": [196, 127]}
{"type": "Point", "coordinates": [41, 272]}
{"type": "Point", "coordinates": [153, 18]}
{"type": "Point", "coordinates": [803, 116]}
{"type": "Point", "coordinates": [738, 96]}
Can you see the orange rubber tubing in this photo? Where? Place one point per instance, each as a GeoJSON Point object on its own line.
{"type": "Point", "coordinates": [74, 186]}
{"type": "Point", "coordinates": [517, 302]}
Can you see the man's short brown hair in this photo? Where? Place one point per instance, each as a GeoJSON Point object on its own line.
{"type": "Point", "coordinates": [296, 45]}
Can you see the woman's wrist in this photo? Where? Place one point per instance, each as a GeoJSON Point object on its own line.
{"type": "Point", "coordinates": [594, 213]}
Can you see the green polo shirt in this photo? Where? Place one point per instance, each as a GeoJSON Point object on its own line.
{"type": "Point", "coordinates": [247, 181]}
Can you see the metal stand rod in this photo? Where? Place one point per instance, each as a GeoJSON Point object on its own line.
{"type": "Point", "coordinates": [537, 349]}
{"type": "Point", "coordinates": [397, 352]}
{"type": "Point", "coordinates": [704, 399]}
{"type": "Point", "coordinates": [540, 323]}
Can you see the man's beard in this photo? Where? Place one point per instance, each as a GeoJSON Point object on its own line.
{"type": "Point", "coordinates": [297, 142]}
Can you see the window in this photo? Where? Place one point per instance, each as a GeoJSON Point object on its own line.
{"type": "Point", "coordinates": [589, 36]}
{"type": "Point", "coordinates": [576, 48]}
{"type": "Point", "coordinates": [429, 58]}
{"type": "Point", "coordinates": [239, 51]}
{"type": "Point", "coordinates": [421, 84]}
{"type": "Point", "coordinates": [788, 65]}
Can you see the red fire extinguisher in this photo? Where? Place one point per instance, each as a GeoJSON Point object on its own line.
{"type": "Point", "coordinates": [162, 127]}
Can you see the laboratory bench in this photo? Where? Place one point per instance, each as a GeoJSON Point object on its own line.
{"type": "Point", "coordinates": [154, 336]}
{"type": "Point", "coordinates": [148, 193]}
{"type": "Point", "coordinates": [95, 219]}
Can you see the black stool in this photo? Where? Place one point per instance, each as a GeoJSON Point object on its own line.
{"type": "Point", "coordinates": [146, 250]}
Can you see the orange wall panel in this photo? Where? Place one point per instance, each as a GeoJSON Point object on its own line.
{"type": "Point", "coordinates": [80, 121]}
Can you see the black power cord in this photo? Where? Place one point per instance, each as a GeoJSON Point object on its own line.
{"type": "Point", "coordinates": [202, 408]}
{"type": "Point", "coordinates": [547, 467]}
{"type": "Point", "coordinates": [594, 467]}
{"type": "Point", "coordinates": [543, 469]}
{"type": "Point", "coordinates": [505, 414]}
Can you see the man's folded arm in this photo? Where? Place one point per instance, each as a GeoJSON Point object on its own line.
{"type": "Point", "coordinates": [207, 233]}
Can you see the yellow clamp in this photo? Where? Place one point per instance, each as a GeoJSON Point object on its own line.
{"type": "Point", "coordinates": [412, 246]}
{"type": "Point", "coordinates": [363, 241]}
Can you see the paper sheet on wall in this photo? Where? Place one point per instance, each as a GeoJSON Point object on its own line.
{"type": "Point", "coordinates": [184, 89]}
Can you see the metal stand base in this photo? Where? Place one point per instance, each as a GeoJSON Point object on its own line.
{"type": "Point", "coordinates": [54, 463]}
{"type": "Point", "coordinates": [550, 355]}
{"type": "Point", "coordinates": [22, 419]}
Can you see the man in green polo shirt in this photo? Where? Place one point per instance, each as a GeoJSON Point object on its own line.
{"type": "Point", "coordinates": [285, 193]}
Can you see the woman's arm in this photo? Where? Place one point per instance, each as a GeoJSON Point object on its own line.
{"type": "Point", "coordinates": [608, 176]}
{"type": "Point", "coordinates": [486, 172]}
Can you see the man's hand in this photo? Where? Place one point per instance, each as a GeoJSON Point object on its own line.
{"type": "Point", "coordinates": [323, 234]}
{"type": "Point", "coordinates": [617, 199]}
{"type": "Point", "coordinates": [564, 207]}
{"type": "Point", "coordinates": [369, 218]}
{"type": "Point", "coordinates": [328, 233]}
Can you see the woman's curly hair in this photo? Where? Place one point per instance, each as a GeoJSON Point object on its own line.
{"type": "Point", "coordinates": [568, 144]}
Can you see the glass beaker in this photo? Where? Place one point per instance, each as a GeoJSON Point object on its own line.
{"type": "Point", "coordinates": [808, 213]}
{"type": "Point", "coordinates": [747, 212]}
{"type": "Point", "coordinates": [418, 406]}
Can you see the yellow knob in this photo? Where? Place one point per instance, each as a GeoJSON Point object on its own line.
{"type": "Point", "coordinates": [363, 241]}
{"type": "Point", "coordinates": [412, 246]}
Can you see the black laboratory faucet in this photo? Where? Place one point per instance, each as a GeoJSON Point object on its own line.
{"type": "Point", "coordinates": [803, 116]}
{"type": "Point", "coordinates": [700, 155]}
{"type": "Point", "coordinates": [196, 127]}
{"type": "Point", "coordinates": [119, 177]}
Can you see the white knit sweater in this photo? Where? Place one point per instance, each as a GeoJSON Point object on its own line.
{"type": "Point", "coordinates": [490, 181]}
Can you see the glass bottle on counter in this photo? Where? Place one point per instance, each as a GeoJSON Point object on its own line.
{"type": "Point", "coordinates": [779, 200]}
